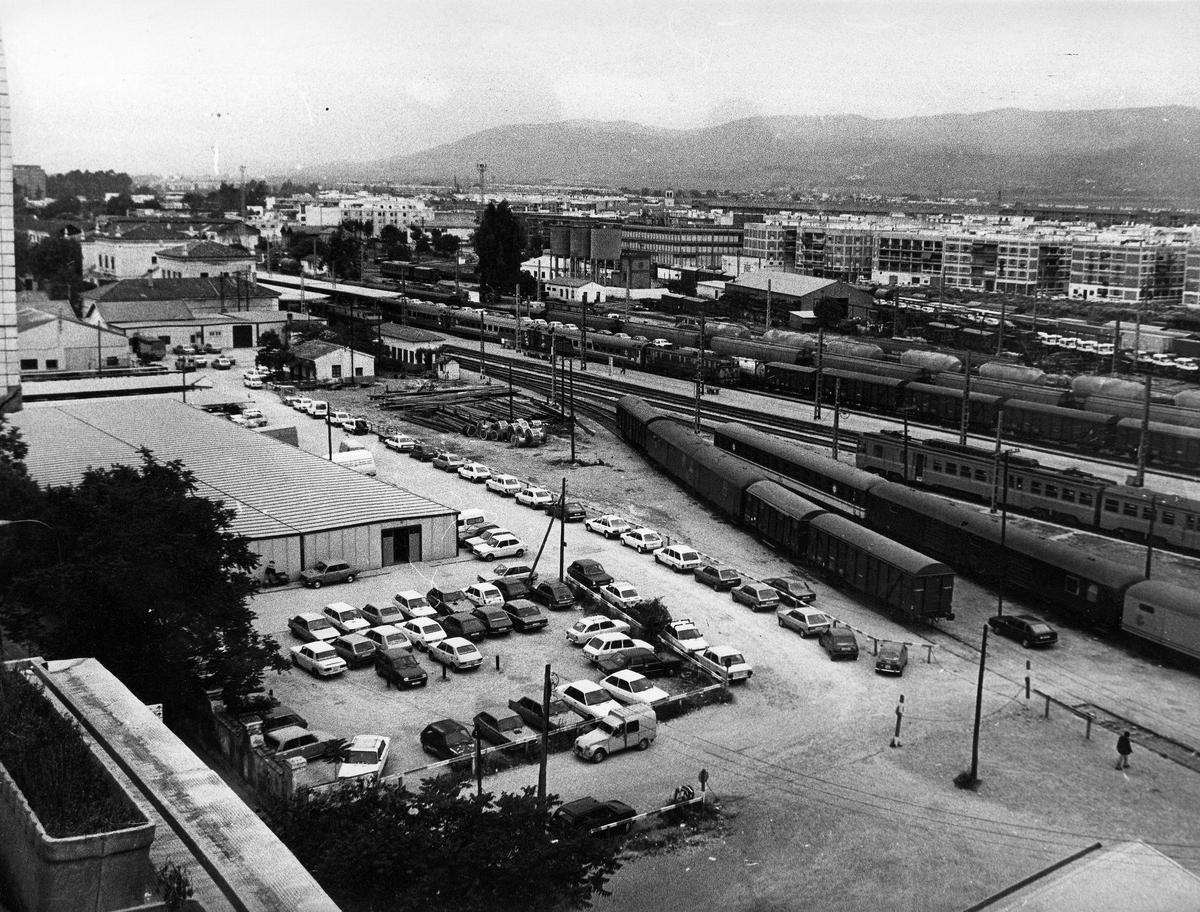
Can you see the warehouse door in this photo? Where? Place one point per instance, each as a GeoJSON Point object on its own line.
{"type": "Point", "coordinates": [243, 337]}
{"type": "Point", "coordinates": [401, 546]}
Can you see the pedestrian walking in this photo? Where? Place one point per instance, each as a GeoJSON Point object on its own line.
{"type": "Point", "coordinates": [1124, 749]}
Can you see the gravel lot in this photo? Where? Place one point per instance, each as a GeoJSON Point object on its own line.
{"type": "Point", "coordinates": [822, 811]}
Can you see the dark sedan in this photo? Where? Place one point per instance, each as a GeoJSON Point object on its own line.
{"type": "Point", "coordinates": [589, 573]}
{"type": "Point", "coordinates": [588, 813]}
{"type": "Point", "coordinates": [644, 661]}
{"type": "Point", "coordinates": [399, 668]}
{"type": "Point", "coordinates": [502, 726]}
{"type": "Point", "coordinates": [574, 512]}
{"type": "Point", "coordinates": [525, 615]}
{"type": "Point", "coordinates": [792, 590]}
{"type": "Point", "coordinates": [449, 601]}
{"type": "Point", "coordinates": [553, 595]}
{"type": "Point", "coordinates": [1025, 629]}
{"type": "Point", "coordinates": [892, 658]}
{"type": "Point", "coordinates": [530, 709]}
{"type": "Point", "coordinates": [447, 739]}
{"type": "Point", "coordinates": [423, 452]}
{"type": "Point", "coordinates": [718, 577]}
{"type": "Point", "coordinates": [840, 643]}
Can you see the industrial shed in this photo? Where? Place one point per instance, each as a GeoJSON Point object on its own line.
{"type": "Point", "coordinates": [296, 508]}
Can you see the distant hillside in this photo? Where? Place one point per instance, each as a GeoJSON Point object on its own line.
{"type": "Point", "coordinates": [1135, 152]}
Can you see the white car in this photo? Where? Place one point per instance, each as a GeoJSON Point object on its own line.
{"type": "Point", "coordinates": [339, 418]}
{"type": "Point", "coordinates": [484, 595]}
{"type": "Point", "coordinates": [346, 618]}
{"type": "Point", "coordinates": [318, 408]}
{"type": "Point", "coordinates": [534, 497]}
{"type": "Point", "coordinates": [642, 540]}
{"type": "Point", "coordinates": [301, 403]}
{"type": "Point", "coordinates": [725, 662]}
{"type": "Point", "coordinates": [423, 632]}
{"type": "Point", "coordinates": [457, 652]}
{"type": "Point", "coordinates": [679, 558]}
{"type": "Point", "coordinates": [661, 343]}
{"type": "Point", "coordinates": [611, 643]}
{"type": "Point", "coordinates": [682, 633]}
{"type": "Point", "coordinates": [254, 383]}
{"type": "Point", "coordinates": [620, 593]}
{"type": "Point", "coordinates": [505, 485]}
{"type": "Point", "coordinates": [365, 757]}
{"type": "Point", "coordinates": [510, 571]}
{"type": "Point", "coordinates": [319, 659]}
{"type": "Point", "coordinates": [486, 538]}
{"type": "Point", "coordinates": [631, 687]}
{"type": "Point", "coordinates": [587, 698]}
{"type": "Point", "coordinates": [500, 546]}
{"type": "Point", "coordinates": [587, 627]}
{"type": "Point", "coordinates": [401, 443]}
{"type": "Point", "coordinates": [474, 472]}
{"type": "Point", "coordinates": [413, 605]}
{"type": "Point", "coordinates": [253, 373]}
{"type": "Point", "coordinates": [610, 525]}
{"type": "Point", "coordinates": [387, 636]}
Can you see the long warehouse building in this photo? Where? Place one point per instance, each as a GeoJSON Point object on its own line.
{"type": "Point", "coordinates": [295, 507]}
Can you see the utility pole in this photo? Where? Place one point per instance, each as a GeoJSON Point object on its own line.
{"type": "Point", "coordinates": [583, 309]}
{"type": "Point", "coordinates": [1003, 537]}
{"type": "Point", "coordinates": [965, 423]}
{"type": "Point", "coordinates": [1139, 478]}
{"type": "Point", "coordinates": [482, 168]}
{"type": "Point", "coordinates": [242, 191]}
{"type": "Point", "coordinates": [562, 528]}
{"type": "Point", "coordinates": [1116, 347]}
{"type": "Point", "coordinates": [817, 381]}
{"type": "Point", "coordinates": [699, 374]}
{"type": "Point", "coordinates": [510, 394]}
{"type": "Point", "coordinates": [768, 321]}
{"type": "Point", "coordinates": [904, 412]}
{"type": "Point", "coordinates": [482, 350]}
{"type": "Point", "coordinates": [545, 738]}
{"type": "Point", "coordinates": [996, 458]}
{"type": "Point", "coordinates": [1000, 335]}
{"type": "Point", "coordinates": [517, 314]}
{"type": "Point", "coordinates": [970, 780]}
{"type": "Point", "coordinates": [329, 433]}
{"type": "Point", "coordinates": [1150, 533]}
{"type": "Point", "coordinates": [837, 414]}
{"type": "Point", "coordinates": [571, 374]}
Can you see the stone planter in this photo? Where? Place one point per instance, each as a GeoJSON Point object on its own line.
{"type": "Point", "coordinates": [93, 873]}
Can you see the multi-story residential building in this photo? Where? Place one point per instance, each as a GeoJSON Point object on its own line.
{"type": "Point", "coordinates": [1191, 277]}
{"type": "Point", "coordinates": [908, 257]}
{"type": "Point", "coordinates": [379, 210]}
{"type": "Point", "coordinates": [129, 254]}
{"type": "Point", "coordinates": [31, 180]}
{"type": "Point", "coordinates": [693, 245]}
{"type": "Point", "coordinates": [771, 242]}
{"type": "Point", "coordinates": [10, 355]}
{"type": "Point", "coordinates": [1128, 270]}
{"type": "Point", "coordinates": [835, 251]}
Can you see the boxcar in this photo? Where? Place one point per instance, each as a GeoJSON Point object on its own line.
{"type": "Point", "coordinates": [943, 405]}
{"type": "Point", "coordinates": [1167, 444]}
{"type": "Point", "coordinates": [1133, 408]}
{"type": "Point", "coordinates": [624, 352]}
{"type": "Point", "coordinates": [762, 352]}
{"type": "Point", "coordinates": [864, 392]}
{"type": "Point", "coordinates": [1007, 389]}
{"type": "Point", "coordinates": [681, 362]}
{"type": "Point", "coordinates": [780, 516]}
{"type": "Point", "coordinates": [871, 367]}
{"type": "Point", "coordinates": [790, 378]}
{"type": "Point", "coordinates": [831, 483]}
{"type": "Point", "coordinates": [904, 580]}
{"type": "Point", "coordinates": [1165, 614]}
{"type": "Point", "coordinates": [633, 416]}
{"type": "Point", "coordinates": [1067, 427]}
{"type": "Point", "coordinates": [707, 472]}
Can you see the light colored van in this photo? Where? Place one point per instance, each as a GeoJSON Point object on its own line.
{"type": "Point", "coordinates": [623, 728]}
{"type": "Point", "coordinates": [318, 408]}
{"type": "Point", "coordinates": [358, 460]}
{"type": "Point", "coordinates": [469, 519]}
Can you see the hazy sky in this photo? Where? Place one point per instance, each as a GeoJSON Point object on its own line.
{"type": "Point", "coordinates": [150, 87]}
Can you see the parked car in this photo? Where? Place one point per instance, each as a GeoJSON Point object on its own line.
{"type": "Point", "coordinates": [379, 615]}
{"type": "Point", "coordinates": [400, 668]}
{"type": "Point", "coordinates": [279, 717]}
{"type": "Point", "coordinates": [756, 596]}
{"type": "Point", "coordinates": [609, 525]}
{"type": "Point", "coordinates": [525, 615]}
{"type": "Point", "coordinates": [805, 621]}
{"type": "Point", "coordinates": [1025, 629]}
{"type": "Point", "coordinates": [588, 573]}
{"type": "Point", "coordinates": [412, 604]}
{"type": "Point", "coordinates": [448, 601]}
{"type": "Point", "coordinates": [474, 472]}
{"type": "Point", "coordinates": [324, 573]}
{"type": "Point", "coordinates": [355, 649]}
{"type": "Point", "coordinates": [892, 658]}
{"type": "Point", "coordinates": [422, 632]}
{"type": "Point", "coordinates": [502, 726]}
{"type": "Point", "coordinates": [423, 452]}
{"type": "Point", "coordinates": [387, 637]}
{"type": "Point", "coordinates": [717, 576]}
{"type": "Point", "coordinates": [496, 621]}
{"type": "Point", "coordinates": [318, 408]}
{"type": "Point", "coordinates": [346, 618]}
{"type": "Point", "coordinates": [792, 590]}
{"type": "Point", "coordinates": [631, 726]}
{"type": "Point", "coordinates": [553, 594]}
{"type": "Point", "coordinates": [447, 739]}
{"type": "Point", "coordinates": [463, 625]}
{"type": "Point", "coordinates": [587, 698]}
{"type": "Point", "coordinates": [447, 461]}
{"type": "Point", "coordinates": [457, 652]}
{"type": "Point", "coordinates": [473, 535]}
{"type": "Point", "coordinates": [339, 417]}
{"type": "Point", "coordinates": [610, 643]}
{"type": "Point", "coordinates": [645, 661]}
{"type": "Point", "coordinates": [480, 594]}
{"type": "Point", "coordinates": [840, 643]}
{"type": "Point", "coordinates": [506, 570]}
{"type": "Point", "coordinates": [293, 741]}
{"type": "Point", "coordinates": [364, 758]}
{"type": "Point", "coordinates": [301, 403]}
{"type": "Point", "coordinates": [501, 546]}
{"type": "Point", "coordinates": [311, 626]}
{"type": "Point", "coordinates": [631, 687]}
{"type": "Point", "coordinates": [254, 383]}
{"type": "Point", "coordinates": [320, 659]}
{"type": "Point", "coordinates": [587, 627]}
{"type": "Point", "coordinates": [222, 363]}
{"type": "Point", "coordinates": [533, 496]}
{"type": "Point", "coordinates": [574, 510]}
{"type": "Point", "coordinates": [726, 662]}
{"type": "Point", "coordinates": [679, 558]}
{"type": "Point", "coordinates": [642, 540]}
{"type": "Point", "coordinates": [512, 589]}
{"type": "Point", "coordinates": [399, 443]}
{"type": "Point", "coordinates": [530, 710]}
{"type": "Point", "coordinates": [504, 485]}
{"type": "Point", "coordinates": [357, 426]}
{"type": "Point", "coordinates": [684, 635]}
{"type": "Point", "coordinates": [588, 814]}
{"type": "Point", "coordinates": [622, 594]}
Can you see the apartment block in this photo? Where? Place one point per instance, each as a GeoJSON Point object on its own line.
{"type": "Point", "coordinates": [1191, 277]}
{"type": "Point", "coordinates": [835, 252]}
{"type": "Point", "coordinates": [908, 258]}
{"type": "Point", "coordinates": [772, 243]}
{"type": "Point", "coordinates": [1127, 270]}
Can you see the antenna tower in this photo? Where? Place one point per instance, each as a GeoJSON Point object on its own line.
{"type": "Point", "coordinates": [482, 171]}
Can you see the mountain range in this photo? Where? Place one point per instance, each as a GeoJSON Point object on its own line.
{"type": "Point", "coordinates": [1142, 153]}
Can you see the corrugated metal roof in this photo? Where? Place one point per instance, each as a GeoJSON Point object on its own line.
{"type": "Point", "coordinates": [276, 489]}
{"type": "Point", "coordinates": [782, 283]}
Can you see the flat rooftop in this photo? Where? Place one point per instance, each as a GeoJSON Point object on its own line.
{"type": "Point", "coordinates": [275, 489]}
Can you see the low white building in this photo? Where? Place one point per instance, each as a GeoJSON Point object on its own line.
{"type": "Point", "coordinates": [51, 342]}
{"type": "Point", "coordinates": [318, 361]}
{"type": "Point", "coordinates": [582, 291]}
{"type": "Point", "coordinates": [416, 349]}
{"type": "Point", "coordinates": [206, 259]}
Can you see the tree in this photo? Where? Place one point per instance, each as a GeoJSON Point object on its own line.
{"type": "Point", "coordinates": [145, 575]}
{"type": "Point", "coordinates": [447, 245]}
{"type": "Point", "coordinates": [119, 204]}
{"type": "Point", "coordinates": [498, 241]}
{"type": "Point", "coordinates": [58, 262]}
{"type": "Point", "coordinates": [440, 849]}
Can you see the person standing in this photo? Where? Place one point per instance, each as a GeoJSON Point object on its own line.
{"type": "Point", "coordinates": [1124, 749]}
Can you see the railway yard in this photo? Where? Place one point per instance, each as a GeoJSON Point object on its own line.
{"type": "Point", "coordinates": [817, 805]}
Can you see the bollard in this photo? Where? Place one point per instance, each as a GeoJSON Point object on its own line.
{"type": "Point", "coordinates": [874, 646]}
{"type": "Point", "coordinates": [928, 653]}
{"type": "Point", "coordinates": [1027, 679]}
{"type": "Point", "coordinates": [497, 661]}
{"type": "Point", "coordinates": [1046, 714]}
{"type": "Point", "coordinates": [444, 670]}
{"type": "Point", "coordinates": [1088, 734]}
{"type": "Point", "coordinates": [899, 719]}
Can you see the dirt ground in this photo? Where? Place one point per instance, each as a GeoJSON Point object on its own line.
{"type": "Point", "coordinates": [821, 812]}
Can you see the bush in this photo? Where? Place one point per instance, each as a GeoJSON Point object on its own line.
{"type": "Point", "coordinates": [46, 756]}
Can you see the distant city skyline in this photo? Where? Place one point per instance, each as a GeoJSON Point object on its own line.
{"type": "Point", "coordinates": [148, 87]}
